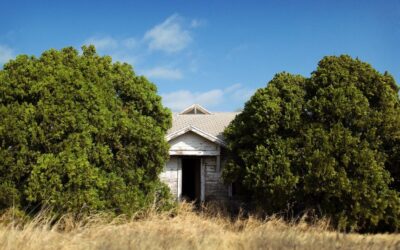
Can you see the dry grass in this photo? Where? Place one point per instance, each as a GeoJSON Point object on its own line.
{"type": "Point", "coordinates": [187, 230]}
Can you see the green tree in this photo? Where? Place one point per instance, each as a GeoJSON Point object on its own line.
{"type": "Point", "coordinates": [80, 133]}
{"type": "Point", "coordinates": [328, 143]}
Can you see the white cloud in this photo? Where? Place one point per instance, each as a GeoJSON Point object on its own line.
{"type": "Point", "coordinates": [195, 23]}
{"type": "Point", "coordinates": [102, 43]}
{"type": "Point", "coordinates": [181, 99]}
{"type": "Point", "coordinates": [123, 58]}
{"type": "Point", "coordinates": [163, 73]}
{"type": "Point", "coordinates": [108, 43]}
{"type": "Point", "coordinates": [233, 88]}
{"type": "Point", "coordinates": [6, 53]}
{"type": "Point", "coordinates": [122, 50]}
{"type": "Point", "coordinates": [130, 42]}
{"type": "Point", "coordinates": [169, 36]}
{"type": "Point", "coordinates": [239, 93]}
{"type": "Point", "coordinates": [235, 94]}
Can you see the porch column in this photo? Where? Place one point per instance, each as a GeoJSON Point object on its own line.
{"type": "Point", "coordinates": [202, 180]}
{"type": "Point", "coordinates": [179, 179]}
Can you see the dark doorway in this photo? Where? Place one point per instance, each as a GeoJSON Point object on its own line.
{"type": "Point", "coordinates": [191, 179]}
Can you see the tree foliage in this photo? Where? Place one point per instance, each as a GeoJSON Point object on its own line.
{"type": "Point", "coordinates": [327, 143]}
{"type": "Point", "coordinates": [80, 133]}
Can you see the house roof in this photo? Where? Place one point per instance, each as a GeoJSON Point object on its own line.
{"type": "Point", "coordinates": [195, 109]}
{"type": "Point", "coordinates": [206, 124]}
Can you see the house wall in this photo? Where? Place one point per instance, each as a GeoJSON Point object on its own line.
{"type": "Point", "coordinates": [192, 144]}
{"type": "Point", "coordinates": [214, 187]}
{"type": "Point", "coordinates": [172, 175]}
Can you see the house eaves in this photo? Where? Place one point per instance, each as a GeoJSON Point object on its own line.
{"type": "Point", "coordinates": [197, 131]}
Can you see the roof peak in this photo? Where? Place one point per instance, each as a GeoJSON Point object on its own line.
{"type": "Point", "coordinates": [195, 109]}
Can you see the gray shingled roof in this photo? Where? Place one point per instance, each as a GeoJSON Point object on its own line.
{"type": "Point", "coordinates": [213, 124]}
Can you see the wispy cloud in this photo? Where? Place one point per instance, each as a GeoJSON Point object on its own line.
{"type": "Point", "coordinates": [164, 73]}
{"type": "Point", "coordinates": [181, 99]}
{"type": "Point", "coordinates": [236, 93]}
{"type": "Point", "coordinates": [111, 43]}
{"type": "Point", "coordinates": [122, 50]}
{"type": "Point", "coordinates": [170, 36]}
{"type": "Point", "coordinates": [195, 23]}
{"type": "Point", "coordinates": [130, 42]}
{"type": "Point", "coordinates": [6, 53]}
{"type": "Point", "coordinates": [102, 43]}
{"type": "Point", "coordinates": [121, 56]}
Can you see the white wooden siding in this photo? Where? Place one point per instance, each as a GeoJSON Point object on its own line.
{"type": "Point", "coordinates": [172, 176]}
{"type": "Point", "coordinates": [214, 186]}
{"type": "Point", "coordinates": [192, 144]}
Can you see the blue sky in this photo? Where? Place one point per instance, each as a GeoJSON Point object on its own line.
{"type": "Point", "coordinates": [216, 53]}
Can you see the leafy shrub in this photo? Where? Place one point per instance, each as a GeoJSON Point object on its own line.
{"type": "Point", "coordinates": [80, 133]}
{"type": "Point", "coordinates": [328, 143]}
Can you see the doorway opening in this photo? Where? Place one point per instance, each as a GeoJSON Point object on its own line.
{"type": "Point", "coordinates": [191, 187]}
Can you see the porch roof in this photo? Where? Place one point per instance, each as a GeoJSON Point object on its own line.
{"type": "Point", "coordinates": [212, 124]}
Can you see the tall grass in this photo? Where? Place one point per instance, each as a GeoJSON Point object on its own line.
{"type": "Point", "coordinates": [187, 229]}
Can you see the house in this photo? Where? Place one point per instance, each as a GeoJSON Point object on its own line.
{"type": "Point", "coordinates": [197, 154]}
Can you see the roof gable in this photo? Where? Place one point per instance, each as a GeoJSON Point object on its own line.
{"type": "Point", "coordinates": [195, 109]}
{"type": "Point", "coordinates": [197, 131]}
{"type": "Point", "coordinates": [210, 126]}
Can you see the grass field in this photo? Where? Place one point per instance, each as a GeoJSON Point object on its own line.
{"type": "Point", "coordinates": [187, 230]}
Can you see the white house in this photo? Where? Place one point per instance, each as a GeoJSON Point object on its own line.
{"type": "Point", "coordinates": [197, 154]}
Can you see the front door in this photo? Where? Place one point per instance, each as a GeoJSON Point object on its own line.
{"type": "Point", "coordinates": [191, 184]}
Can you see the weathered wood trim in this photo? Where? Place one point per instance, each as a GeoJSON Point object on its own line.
{"type": "Point", "coordinates": [179, 177]}
{"type": "Point", "coordinates": [197, 108]}
{"type": "Point", "coordinates": [194, 152]}
{"type": "Point", "coordinates": [202, 180]}
{"type": "Point", "coordinates": [230, 190]}
{"type": "Point", "coordinates": [197, 131]}
{"type": "Point", "coordinates": [219, 159]}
